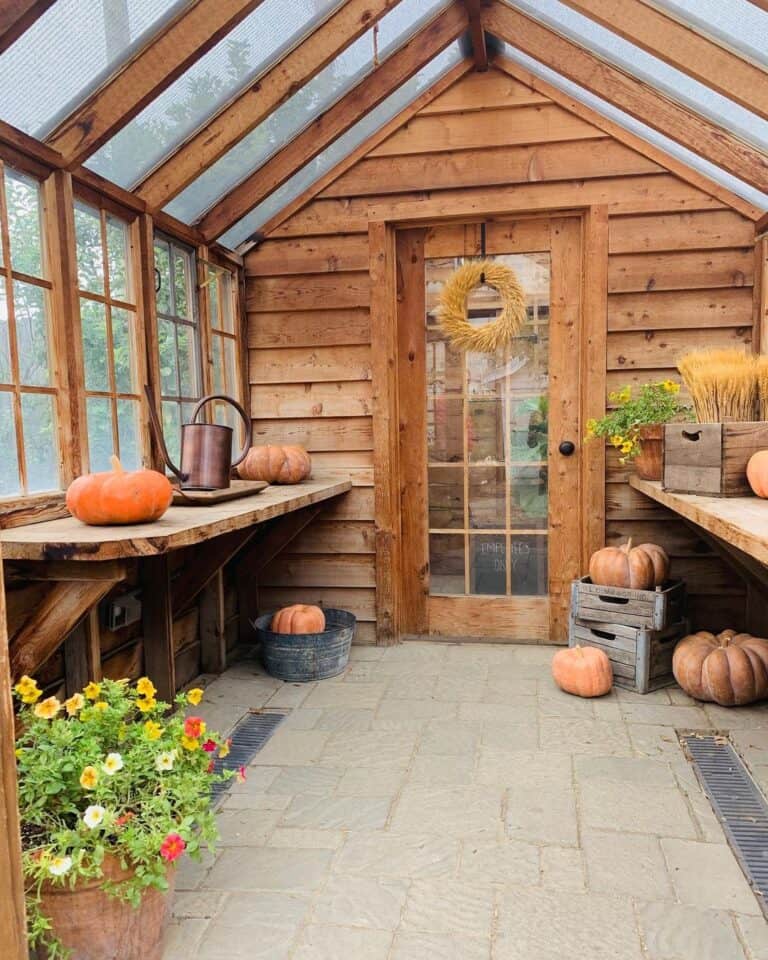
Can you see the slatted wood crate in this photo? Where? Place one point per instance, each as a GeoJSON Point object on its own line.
{"type": "Point", "coordinates": [711, 459]}
{"type": "Point", "coordinates": [653, 609]}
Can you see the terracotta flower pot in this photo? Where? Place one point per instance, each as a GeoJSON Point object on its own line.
{"type": "Point", "coordinates": [95, 926]}
{"type": "Point", "coordinates": [649, 462]}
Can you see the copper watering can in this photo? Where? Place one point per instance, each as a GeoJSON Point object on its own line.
{"type": "Point", "coordinates": [206, 448]}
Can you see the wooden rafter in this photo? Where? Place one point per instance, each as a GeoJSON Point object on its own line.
{"type": "Point", "coordinates": [762, 4]}
{"type": "Point", "coordinates": [396, 70]}
{"type": "Point", "coordinates": [629, 94]}
{"type": "Point", "coordinates": [152, 70]}
{"type": "Point", "coordinates": [17, 16]}
{"type": "Point", "coordinates": [477, 34]}
{"type": "Point", "coordinates": [246, 111]}
{"type": "Point", "coordinates": [683, 48]}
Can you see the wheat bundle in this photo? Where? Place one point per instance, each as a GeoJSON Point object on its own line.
{"type": "Point", "coordinates": [723, 384]}
{"type": "Point", "coordinates": [452, 308]}
{"type": "Point", "coordinates": [761, 368]}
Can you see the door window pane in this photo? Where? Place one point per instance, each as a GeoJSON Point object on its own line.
{"type": "Point", "coordinates": [41, 442]}
{"type": "Point", "coordinates": [488, 565]}
{"type": "Point", "coordinates": [32, 334]}
{"type": "Point", "coordinates": [446, 563]}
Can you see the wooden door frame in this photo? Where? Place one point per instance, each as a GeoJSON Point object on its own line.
{"type": "Point", "coordinates": [385, 374]}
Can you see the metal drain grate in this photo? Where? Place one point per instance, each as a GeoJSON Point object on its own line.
{"type": "Point", "coordinates": [248, 737]}
{"type": "Point", "coordinates": [738, 803]}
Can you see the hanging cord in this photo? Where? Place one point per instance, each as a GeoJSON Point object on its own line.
{"type": "Point", "coordinates": [376, 45]}
{"type": "Point", "coordinates": [482, 250]}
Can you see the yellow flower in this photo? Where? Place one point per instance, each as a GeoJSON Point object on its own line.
{"type": "Point", "coordinates": [93, 690]}
{"type": "Point", "coordinates": [145, 704]}
{"type": "Point", "coordinates": [28, 690]}
{"type": "Point", "coordinates": [626, 447]}
{"type": "Point", "coordinates": [75, 703]}
{"type": "Point", "coordinates": [670, 386]}
{"type": "Point", "coordinates": [224, 749]}
{"type": "Point", "coordinates": [47, 709]}
{"type": "Point", "coordinates": [152, 730]}
{"type": "Point", "coordinates": [617, 440]}
{"type": "Point", "coordinates": [112, 764]}
{"type": "Point", "coordinates": [89, 778]}
{"type": "Point", "coordinates": [101, 706]}
{"type": "Point", "coordinates": [190, 743]}
{"type": "Point", "coordinates": [145, 688]}
{"type": "Point", "coordinates": [194, 696]}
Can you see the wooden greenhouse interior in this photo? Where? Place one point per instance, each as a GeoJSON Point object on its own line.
{"type": "Point", "coordinates": [264, 199]}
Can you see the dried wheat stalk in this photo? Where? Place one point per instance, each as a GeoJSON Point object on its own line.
{"type": "Point", "coordinates": [452, 308]}
{"type": "Point", "coordinates": [723, 384]}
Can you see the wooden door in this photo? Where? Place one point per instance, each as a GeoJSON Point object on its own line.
{"type": "Point", "coordinates": [491, 525]}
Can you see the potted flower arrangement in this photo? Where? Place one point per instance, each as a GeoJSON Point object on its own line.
{"type": "Point", "coordinates": [113, 789]}
{"type": "Point", "coordinates": [634, 426]}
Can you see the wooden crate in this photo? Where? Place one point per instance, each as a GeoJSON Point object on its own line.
{"type": "Point", "coordinates": [655, 609]}
{"type": "Point", "coordinates": [711, 458]}
{"type": "Point", "coordinates": [641, 658]}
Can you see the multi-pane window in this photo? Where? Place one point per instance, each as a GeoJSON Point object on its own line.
{"type": "Point", "coordinates": [108, 319]}
{"type": "Point", "coordinates": [224, 341]}
{"type": "Point", "coordinates": [178, 336]}
{"type": "Point", "coordinates": [29, 394]}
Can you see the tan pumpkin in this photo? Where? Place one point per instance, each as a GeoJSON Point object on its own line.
{"type": "Point", "coordinates": [276, 464]}
{"type": "Point", "coordinates": [119, 496]}
{"type": "Point", "coordinates": [757, 473]}
{"type": "Point", "coordinates": [728, 668]}
{"type": "Point", "coordinates": [659, 559]}
{"type": "Point", "coordinates": [627, 566]}
{"type": "Point", "coordinates": [582, 671]}
{"type": "Point", "coordinates": [298, 618]}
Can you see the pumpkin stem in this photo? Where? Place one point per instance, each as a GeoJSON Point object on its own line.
{"type": "Point", "coordinates": [116, 465]}
{"type": "Point", "coordinates": [579, 651]}
{"type": "Point", "coordinates": [627, 546]}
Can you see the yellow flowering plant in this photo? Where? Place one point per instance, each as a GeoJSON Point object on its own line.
{"type": "Point", "coordinates": [654, 403]}
{"type": "Point", "coordinates": [110, 772]}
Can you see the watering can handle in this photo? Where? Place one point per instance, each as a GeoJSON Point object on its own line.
{"type": "Point", "coordinates": [244, 416]}
{"type": "Point", "coordinates": [158, 432]}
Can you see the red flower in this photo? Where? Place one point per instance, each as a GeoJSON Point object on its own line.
{"type": "Point", "coordinates": [209, 746]}
{"type": "Point", "coordinates": [121, 821]}
{"type": "Point", "coordinates": [211, 766]}
{"type": "Point", "coordinates": [172, 847]}
{"type": "Point", "coordinates": [194, 727]}
{"type": "Point", "coordinates": [241, 775]}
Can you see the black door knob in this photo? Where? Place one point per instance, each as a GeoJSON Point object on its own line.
{"type": "Point", "coordinates": [567, 447]}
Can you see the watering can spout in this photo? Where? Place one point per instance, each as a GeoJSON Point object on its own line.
{"type": "Point", "coordinates": [157, 430]}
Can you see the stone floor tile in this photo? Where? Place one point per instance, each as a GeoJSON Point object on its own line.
{"type": "Point", "coordinates": [459, 688]}
{"type": "Point", "coordinates": [413, 715]}
{"type": "Point", "coordinates": [660, 696]}
{"type": "Point", "coordinates": [447, 738]}
{"type": "Point", "coordinates": [552, 702]}
{"type": "Point", "coordinates": [303, 718]}
{"type": "Point", "coordinates": [266, 908]}
{"type": "Point", "coordinates": [252, 692]}
{"type": "Point", "coordinates": [361, 695]}
{"type": "Point", "coordinates": [254, 801]}
{"type": "Point", "coordinates": [430, 768]}
{"type": "Point", "coordinates": [537, 924]}
{"type": "Point", "coordinates": [362, 672]}
{"type": "Point", "coordinates": [409, 855]}
{"type": "Point", "coordinates": [681, 698]}
{"type": "Point", "coordinates": [434, 946]}
{"type": "Point", "coordinates": [703, 814]}
{"type": "Point", "coordinates": [314, 778]}
{"type": "Point", "coordinates": [292, 748]}
{"type": "Point", "coordinates": [598, 737]}
{"type": "Point", "coordinates": [411, 686]}
{"type": "Point", "coordinates": [182, 938]}
{"type": "Point", "coordinates": [607, 708]}
{"type": "Point", "coordinates": [222, 717]}
{"type": "Point", "coordinates": [501, 767]}
{"type": "Point", "coordinates": [191, 873]}
{"type": "Point", "coordinates": [337, 813]}
{"type": "Point", "coordinates": [654, 740]}
{"type": "Point", "coordinates": [374, 749]}
{"type": "Point", "coordinates": [246, 827]}
{"type": "Point", "coordinates": [562, 869]}
{"type": "Point", "coordinates": [521, 710]}
{"type": "Point", "coordinates": [743, 718]}
{"type": "Point", "coordinates": [320, 942]}
{"type": "Point", "coordinates": [306, 838]}
{"type": "Point", "coordinates": [449, 906]}
{"type": "Point", "coordinates": [266, 868]}
{"type": "Point", "coordinates": [754, 931]}
{"type": "Point", "coordinates": [257, 781]}
{"type": "Point", "coordinates": [752, 745]}
{"type": "Point", "coordinates": [510, 737]}
{"type": "Point", "coordinates": [196, 904]}
{"type": "Point", "coordinates": [360, 902]}
{"type": "Point", "coordinates": [672, 931]}
{"type": "Point", "coordinates": [626, 865]}
{"type": "Point", "coordinates": [455, 811]}
{"type": "Point", "coordinates": [372, 781]}
{"type": "Point", "coordinates": [707, 875]}
{"type": "Point", "coordinates": [343, 718]}
{"type": "Point", "coordinates": [502, 862]}
{"type": "Point", "coordinates": [503, 688]}
{"type": "Point", "coordinates": [289, 696]}
{"type": "Point", "coordinates": [259, 925]}
{"type": "Point", "coordinates": [541, 802]}
{"type": "Point", "coordinates": [362, 651]}
{"type": "Point", "coordinates": [683, 718]}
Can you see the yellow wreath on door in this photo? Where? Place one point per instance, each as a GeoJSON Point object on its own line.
{"type": "Point", "coordinates": [452, 306]}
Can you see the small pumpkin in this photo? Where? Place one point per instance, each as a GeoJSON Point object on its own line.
{"type": "Point", "coordinates": [638, 568]}
{"type": "Point", "coordinates": [729, 668]}
{"type": "Point", "coordinates": [119, 496]}
{"type": "Point", "coordinates": [757, 473]}
{"type": "Point", "coordinates": [298, 618]}
{"type": "Point", "coordinates": [276, 464]}
{"type": "Point", "coordinates": [582, 671]}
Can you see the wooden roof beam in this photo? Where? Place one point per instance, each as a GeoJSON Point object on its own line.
{"type": "Point", "coordinates": [17, 16]}
{"type": "Point", "coordinates": [633, 96]}
{"type": "Point", "coordinates": [359, 101]}
{"type": "Point", "coordinates": [252, 106]}
{"type": "Point", "coordinates": [183, 41]}
{"type": "Point", "coordinates": [683, 48]}
{"type": "Point", "coordinates": [477, 34]}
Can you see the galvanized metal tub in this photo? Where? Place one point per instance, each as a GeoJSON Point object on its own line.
{"type": "Point", "coordinates": [300, 657]}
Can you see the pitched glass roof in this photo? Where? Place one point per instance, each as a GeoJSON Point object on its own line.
{"type": "Point", "coordinates": [737, 24]}
{"type": "Point", "coordinates": [69, 52]}
{"type": "Point", "coordinates": [246, 52]}
{"type": "Point", "coordinates": [328, 86]}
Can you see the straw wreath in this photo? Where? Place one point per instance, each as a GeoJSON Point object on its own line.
{"type": "Point", "coordinates": [452, 308]}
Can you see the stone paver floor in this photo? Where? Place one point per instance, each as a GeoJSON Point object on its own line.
{"type": "Point", "coordinates": [447, 802]}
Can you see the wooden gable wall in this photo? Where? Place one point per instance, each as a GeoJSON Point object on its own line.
{"type": "Point", "coordinates": [680, 274]}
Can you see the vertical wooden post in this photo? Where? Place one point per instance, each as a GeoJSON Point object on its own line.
{"type": "Point", "coordinates": [386, 472]}
{"type": "Point", "coordinates": [157, 621]}
{"type": "Point", "coordinates": [146, 299]}
{"type": "Point", "coordinates": [82, 653]}
{"type": "Point", "coordinates": [760, 294]}
{"type": "Point", "coordinates": [212, 625]}
{"type": "Point", "coordinates": [13, 937]}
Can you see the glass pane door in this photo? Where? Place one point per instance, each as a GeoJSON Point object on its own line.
{"type": "Point", "coordinates": [487, 419]}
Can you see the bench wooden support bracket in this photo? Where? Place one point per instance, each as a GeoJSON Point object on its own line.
{"type": "Point", "coordinates": [203, 565]}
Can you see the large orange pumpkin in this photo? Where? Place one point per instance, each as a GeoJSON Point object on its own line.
{"type": "Point", "coordinates": [728, 668]}
{"type": "Point", "coordinates": [299, 618]}
{"type": "Point", "coordinates": [757, 473]}
{"type": "Point", "coordinates": [119, 496]}
{"type": "Point", "coordinates": [639, 568]}
{"type": "Point", "coordinates": [582, 671]}
{"type": "Point", "coordinates": [275, 464]}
